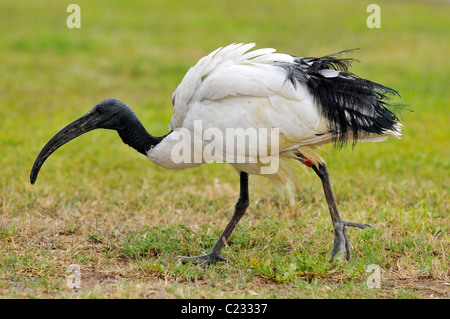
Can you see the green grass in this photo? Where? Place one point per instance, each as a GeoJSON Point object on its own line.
{"type": "Point", "coordinates": [100, 205]}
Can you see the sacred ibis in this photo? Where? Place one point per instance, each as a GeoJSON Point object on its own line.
{"type": "Point", "coordinates": [307, 102]}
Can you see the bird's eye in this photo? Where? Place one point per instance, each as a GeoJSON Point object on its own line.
{"type": "Point", "coordinates": [100, 110]}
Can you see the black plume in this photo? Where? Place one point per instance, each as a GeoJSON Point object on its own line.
{"type": "Point", "coordinates": [350, 103]}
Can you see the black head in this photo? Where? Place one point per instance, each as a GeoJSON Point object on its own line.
{"type": "Point", "coordinates": [111, 114]}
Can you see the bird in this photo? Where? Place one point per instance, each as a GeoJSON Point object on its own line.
{"type": "Point", "coordinates": [306, 102]}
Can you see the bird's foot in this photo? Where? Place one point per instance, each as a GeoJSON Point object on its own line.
{"type": "Point", "coordinates": [206, 259]}
{"type": "Point", "coordinates": [341, 242]}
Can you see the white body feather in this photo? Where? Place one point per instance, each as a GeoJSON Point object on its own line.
{"type": "Point", "coordinates": [232, 88]}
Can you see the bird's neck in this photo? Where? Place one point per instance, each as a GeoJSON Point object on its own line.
{"type": "Point", "coordinates": [135, 135]}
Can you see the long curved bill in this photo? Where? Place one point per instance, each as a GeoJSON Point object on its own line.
{"type": "Point", "coordinates": [84, 124]}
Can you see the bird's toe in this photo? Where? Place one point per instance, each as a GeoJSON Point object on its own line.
{"type": "Point", "coordinates": [206, 259]}
{"type": "Point", "coordinates": [341, 243]}
{"type": "Point", "coordinates": [358, 225]}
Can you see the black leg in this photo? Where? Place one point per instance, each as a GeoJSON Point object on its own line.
{"type": "Point", "coordinates": [241, 207]}
{"type": "Point", "coordinates": [341, 242]}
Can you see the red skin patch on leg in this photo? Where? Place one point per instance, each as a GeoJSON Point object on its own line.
{"type": "Point", "coordinates": [307, 162]}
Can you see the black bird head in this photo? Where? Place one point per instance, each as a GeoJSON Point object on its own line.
{"type": "Point", "coordinates": [110, 114]}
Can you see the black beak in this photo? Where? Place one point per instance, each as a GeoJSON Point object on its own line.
{"type": "Point", "coordinates": [84, 124]}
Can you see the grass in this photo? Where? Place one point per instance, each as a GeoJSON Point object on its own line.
{"type": "Point", "coordinates": [102, 206]}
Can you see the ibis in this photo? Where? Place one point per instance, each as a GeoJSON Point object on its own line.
{"type": "Point", "coordinates": [285, 107]}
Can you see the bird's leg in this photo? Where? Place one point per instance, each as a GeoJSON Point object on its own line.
{"type": "Point", "coordinates": [241, 207]}
{"type": "Point", "coordinates": [341, 242]}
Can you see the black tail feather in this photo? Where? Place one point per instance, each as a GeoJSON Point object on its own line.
{"type": "Point", "coordinates": [350, 103]}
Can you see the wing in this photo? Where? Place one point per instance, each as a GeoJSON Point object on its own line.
{"type": "Point", "coordinates": [231, 88]}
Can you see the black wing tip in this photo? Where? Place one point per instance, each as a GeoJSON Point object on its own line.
{"type": "Point", "coordinates": [334, 61]}
{"type": "Point", "coordinates": [356, 105]}
{"type": "Point", "coordinates": [352, 105]}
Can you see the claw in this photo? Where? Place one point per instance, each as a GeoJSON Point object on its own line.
{"type": "Point", "coordinates": [341, 242]}
{"type": "Point", "coordinates": [206, 259]}
{"type": "Point", "coordinates": [359, 225]}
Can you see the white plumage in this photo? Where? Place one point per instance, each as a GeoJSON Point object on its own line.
{"type": "Point", "coordinates": [232, 87]}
